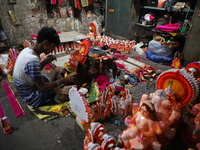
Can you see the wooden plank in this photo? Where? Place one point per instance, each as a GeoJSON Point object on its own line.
{"type": "Point", "coordinates": [61, 60]}
{"type": "Point", "coordinates": [129, 67]}
{"type": "Point", "coordinates": [71, 36]}
{"type": "Point", "coordinates": [135, 62]}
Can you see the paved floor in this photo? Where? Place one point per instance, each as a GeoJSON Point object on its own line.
{"type": "Point", "coordinates": [30, 133]}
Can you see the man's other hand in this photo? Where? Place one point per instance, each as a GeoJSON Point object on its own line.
{"type": "Point", "coordinates": [71, 77]}
{"type": "Point", "coordinates": [50, 58]}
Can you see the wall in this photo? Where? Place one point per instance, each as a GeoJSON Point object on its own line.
{"type": "Point", "coordinates": [32, 15]}
{"type": "Point", "coordinates": [191, 49]}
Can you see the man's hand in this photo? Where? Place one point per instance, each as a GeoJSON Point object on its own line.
{"type": "Point", "coordinates": [50, 58]}
{"type": "Point", "coordinates": [71, 77]}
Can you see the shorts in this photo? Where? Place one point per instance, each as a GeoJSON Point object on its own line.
{"type": "Point", "coordinates": [47, 98]}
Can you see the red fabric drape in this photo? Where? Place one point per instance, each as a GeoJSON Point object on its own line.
{"type": "Point", "coordinates": [90, 2]}
{"type": "Point", "coordinates": [53, 2]}
{"type": "Point", "coordinates": [78, 4]}
{"type": "Point", "coordinates": [60, 2]}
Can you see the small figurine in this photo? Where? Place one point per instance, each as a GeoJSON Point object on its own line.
{"type": "Point", "coordinates": [93, 146]}
{"type": "Point", "coordinates": [129, 108]}
{"type": "Point", "coordinates": [129, 104]}
{"type": "Point", "coordinates": [176, 63]}
{"type": "Point", "coordinates": [91, 33]}
{"type": "Point", "coordinates": [122, 106]}
{"type": "Point", "coordinates": [97, 131]}
{"type": "Point", "coordinates": [108, 109]}
{"type": "Point", "coordinates": [116, 102]}
{"type": "Point", "coordinates": [5, 125]}
{"type": "Point", "coordinates": [87, 140]}
{"type": "Point", "coordinates": [109, 95]}
{"type": "Point", "coordinates": [95, 112]}
{"type": "Point", "coordinates": [191, 134]}
{"type": "Point", "coordinates": [74, 59]}
{"type": "Point", "coordinates": [108, 143]}
{"type": "Point", "coordinates": [102, 111]}
{"type": "Point", "coordinates": [164, 111]}
{"type": "Point", "coordinates": [55, 14]}
{"type": "Point", "coordinates": [97, 139]}
{"type": "Point", "coordinates": [123, 93]}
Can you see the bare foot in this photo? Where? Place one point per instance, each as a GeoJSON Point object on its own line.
{"type": "Point", "coordinates": [63, 98]}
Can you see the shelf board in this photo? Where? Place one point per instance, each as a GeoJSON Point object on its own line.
{"type": "Point", "coordinates": [154, 8]}
{"type": "Point", "coordinates": [147, 26]}
{"type": "Point", "coordinates": [163, 9]}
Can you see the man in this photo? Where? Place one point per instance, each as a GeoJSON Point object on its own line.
{"type": "Point", "coordinates": [3, 40]}
{"type": "Point", "coordinates": [34, 88]}
{"type": "Point", "coordinates": [3, 37]}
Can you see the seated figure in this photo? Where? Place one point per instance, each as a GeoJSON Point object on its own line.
{"type": "Point", "coordinates": [3, 40]}
{"type": "Point", "coordinates": [165, 111]}
{"type": "Point", "coordinates": [191, 134]}
{"type": "Point", "coordinates": [143, 128]}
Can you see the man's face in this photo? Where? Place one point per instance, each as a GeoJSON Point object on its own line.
{"type": "Point", "coordinates": [49, 47]}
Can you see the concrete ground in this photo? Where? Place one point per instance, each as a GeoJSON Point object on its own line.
{"type": "Point", "coordinates": [30, 133]}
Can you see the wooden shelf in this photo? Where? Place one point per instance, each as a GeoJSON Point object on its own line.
{"type": "Point", "coordinates": [150, 7]}
{"type": "Point", "coordinates": [163, 9]}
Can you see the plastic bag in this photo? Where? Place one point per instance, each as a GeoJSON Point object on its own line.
{"type": "Point", "coordinates": [160, 59]}
{"type": "Point", "coordinates": [159, 49]}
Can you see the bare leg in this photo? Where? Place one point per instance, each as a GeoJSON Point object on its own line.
{"type": "Point", "coordinates": [63, 98]}
{"type": "Point", "coordinates": [63, 90]}
{"type": "Point", "coordinates": [63, 93]}
{"type": "Point", "coordinates": [55, 74]}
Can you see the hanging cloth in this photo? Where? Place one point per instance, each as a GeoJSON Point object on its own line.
{"type": "Point", "coordinates": [53, 2]}
{"type": "Point", "coordinates": [60, 2]}
{"type": "Point", "coordinates": [78, 4]}
{"type": "Point", "coordinates": [90, 2]}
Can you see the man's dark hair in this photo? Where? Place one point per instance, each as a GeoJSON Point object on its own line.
{"type": "Point", "coordinates": [49, 34]}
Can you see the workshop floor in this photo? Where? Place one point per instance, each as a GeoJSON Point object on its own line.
{"type": "Point", "coordinates": [30, 133]}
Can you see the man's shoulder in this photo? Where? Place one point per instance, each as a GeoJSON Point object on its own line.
{"type": "Point", "coordinates": [26, 50]}
{"type": "Point", "coordinates": [27, 53]}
